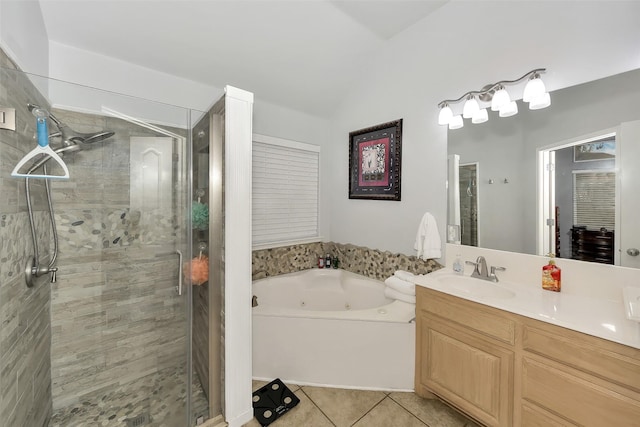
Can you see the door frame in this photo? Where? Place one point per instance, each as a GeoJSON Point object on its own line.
{"type": "Point", "coordinates": [545, 200]}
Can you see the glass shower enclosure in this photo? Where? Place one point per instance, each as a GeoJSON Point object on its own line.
{"type": "Point", "coordinates": [103, 334]}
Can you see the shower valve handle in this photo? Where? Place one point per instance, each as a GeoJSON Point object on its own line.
{"type": "Point", "coordinates": [53, 271]}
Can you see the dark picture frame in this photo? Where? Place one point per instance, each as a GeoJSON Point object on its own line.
{"type": "Point", "coordinates": [375, 157]}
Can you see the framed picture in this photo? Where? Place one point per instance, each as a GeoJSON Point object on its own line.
{"type": "Point", "coordinates": [597, 150]}
{"type": "Point", "coordinates": [374, 162]}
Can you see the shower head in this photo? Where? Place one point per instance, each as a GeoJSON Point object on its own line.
{"type": "Point", "coordinates": [97, 137]}
{"type": "Point", "coordinates": [71, 137]}
{"type": "Point", "coordinates": [72, 141]}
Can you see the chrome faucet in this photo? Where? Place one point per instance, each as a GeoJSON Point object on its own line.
{"type": "Point", "coordinates": [482, 272]}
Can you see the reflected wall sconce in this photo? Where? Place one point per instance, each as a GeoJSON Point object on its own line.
{"type": "Point", "coordinates": [496, 96]}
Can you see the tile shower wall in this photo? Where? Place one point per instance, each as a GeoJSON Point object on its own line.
{"type": "Point", "coordinates": [25, 331]}
{"type": "Point", "coordinates": [115, 313]}
{"type": "Point", "coordinates": [357, 259]}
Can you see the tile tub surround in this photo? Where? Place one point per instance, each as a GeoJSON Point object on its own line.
{"type": "Point", "coordinates": [25, 331]}
{"type": "Point", "coordinates": [334, 407]}
{"type": "Point", "coordinates": [371, 263]}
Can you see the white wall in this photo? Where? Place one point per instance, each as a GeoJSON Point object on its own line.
{"type": "Point", "coordinates": [23, 35]}
{"type": "Point", "coordinates": [458, 48]}
{"type": "Point", "coordinates": [79, 66]}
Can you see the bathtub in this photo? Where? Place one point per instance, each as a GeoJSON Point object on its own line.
{"type": "Point", "coordinates": [332, 328]}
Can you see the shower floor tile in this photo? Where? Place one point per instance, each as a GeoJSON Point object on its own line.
{"type": "Point", "coordinates": [146, 396]}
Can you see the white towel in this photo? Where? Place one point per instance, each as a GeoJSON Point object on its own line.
{"type": "Point", "coordinates": [405, 275]}
{"type": "Point", "coordinates": [400, 285]}
{"type": "Point", "coordinates": [428, 238]}
{"type": "Point", "coordinates": [393, 294]}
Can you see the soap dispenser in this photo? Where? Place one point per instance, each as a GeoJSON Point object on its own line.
{"type": "Point", "coordinates": [458, 265]}
{"type": "Point", "coordinates": [551, 276]}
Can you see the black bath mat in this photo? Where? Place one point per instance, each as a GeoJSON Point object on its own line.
{"type": "Point", "coordinates": [272, 401]}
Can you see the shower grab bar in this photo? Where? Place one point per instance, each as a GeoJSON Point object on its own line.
{"type": "Point", "coordinates": [176, 252]}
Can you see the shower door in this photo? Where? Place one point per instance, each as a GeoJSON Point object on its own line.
{"type": "Point", "coordinates": [107, 342]}
{"type": "Point", "coordinates": [120, 309]}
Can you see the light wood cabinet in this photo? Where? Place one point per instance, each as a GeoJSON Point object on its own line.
{"type": "Point", "coordinates": [467, 371]}
{"type": "Point", "coordinates": [508, 370]}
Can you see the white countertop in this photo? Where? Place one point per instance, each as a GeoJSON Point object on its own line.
{"type": "Point", "coordinates": [599, 317]}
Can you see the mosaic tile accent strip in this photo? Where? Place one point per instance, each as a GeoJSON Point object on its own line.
{"type": "Point", "coordinates": [377, 264]}
{"type": "Point", "coordinates": [86, 230]}
{"type": "Point", "coordinates": [371, 263]}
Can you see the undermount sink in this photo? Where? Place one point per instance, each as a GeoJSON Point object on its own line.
{"type": "Point", "coordinates": [475, 287]}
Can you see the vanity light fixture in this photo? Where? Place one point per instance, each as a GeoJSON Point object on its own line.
{"type": "Point", "coordinates": [456, 122]}
{"type": "Point", "coordinates": [470, 108]}
{"type": "Point", "coordinates": [496, 94]}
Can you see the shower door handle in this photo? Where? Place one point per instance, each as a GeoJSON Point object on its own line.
{"type": "Point", "coordinates": [179, 288]}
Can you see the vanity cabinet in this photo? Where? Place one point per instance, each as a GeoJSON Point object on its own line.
{"type": "Point", "coordinates": [586, 380]}
{"type": "Point", "coordinates": [508, 370]}
{"type": "Point", "coordinates": [465, 356]}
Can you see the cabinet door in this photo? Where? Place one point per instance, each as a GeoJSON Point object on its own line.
{"type": "Point", "coordinates": [534, 416]}
{"type": "Point", "coordinates": [468, 371]}
{"type": "Point", "coordinates": [576, 397]}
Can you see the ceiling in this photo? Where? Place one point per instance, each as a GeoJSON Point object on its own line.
{"type": "Point", "coordinates": [303, 54]}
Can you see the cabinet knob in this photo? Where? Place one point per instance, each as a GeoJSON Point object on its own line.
{"type": "Point", "coordinates": [633, 251]}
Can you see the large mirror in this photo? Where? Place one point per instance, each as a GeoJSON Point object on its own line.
{"type": "Point", "coordinates": [521, 180]}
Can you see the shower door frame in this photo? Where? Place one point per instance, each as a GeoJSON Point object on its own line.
{"type": "Point", "coordinates": [230, 178]}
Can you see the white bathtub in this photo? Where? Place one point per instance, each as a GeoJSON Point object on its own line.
{"type": "Point", "coordinates": [332, 328]}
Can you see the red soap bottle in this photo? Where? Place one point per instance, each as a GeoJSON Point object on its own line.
{"type": "Point", "coordinates": [551, 280]}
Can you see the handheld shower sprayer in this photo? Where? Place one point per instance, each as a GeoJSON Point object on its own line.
{"type": "Point", "coordinates": [69, 136]}
{"type": "Point", "coordinates": [42, 133]}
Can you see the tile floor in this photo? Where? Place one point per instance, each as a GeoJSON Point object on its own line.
{"type": "Point", "coordinates": [333, 407]}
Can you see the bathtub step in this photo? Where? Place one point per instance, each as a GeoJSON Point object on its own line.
{"type": "Point", "coordinates": [272, 401]}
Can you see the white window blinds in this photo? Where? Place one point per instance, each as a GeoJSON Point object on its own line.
{"type": "Point", "coordinates": [594, 199]}
{"type": "Point", "coordinates": [285, 191]}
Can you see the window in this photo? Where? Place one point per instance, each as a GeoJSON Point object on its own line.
{"type": "Point", "coordinates": [594, 199]}
{"type": "Point", "coordinates": [285, 192]}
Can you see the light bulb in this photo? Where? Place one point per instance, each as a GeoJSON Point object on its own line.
{"type": "Point", "coordinates": [511, 109]}
{"type": "Point", "coordinates": [534, 89]}
{"type": "Point", "coordinates": [500, 99]}
{"type": "Point", "coordinates": [456, 122]}
{"type": "Point", "coordinates": [445, 115]}
{"type": "Point", "coordinates": [470, 107]}
{"type": "Point", "coordinates": [480, 117]}
{"type": "Point", "coordinates": [540, 102]}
